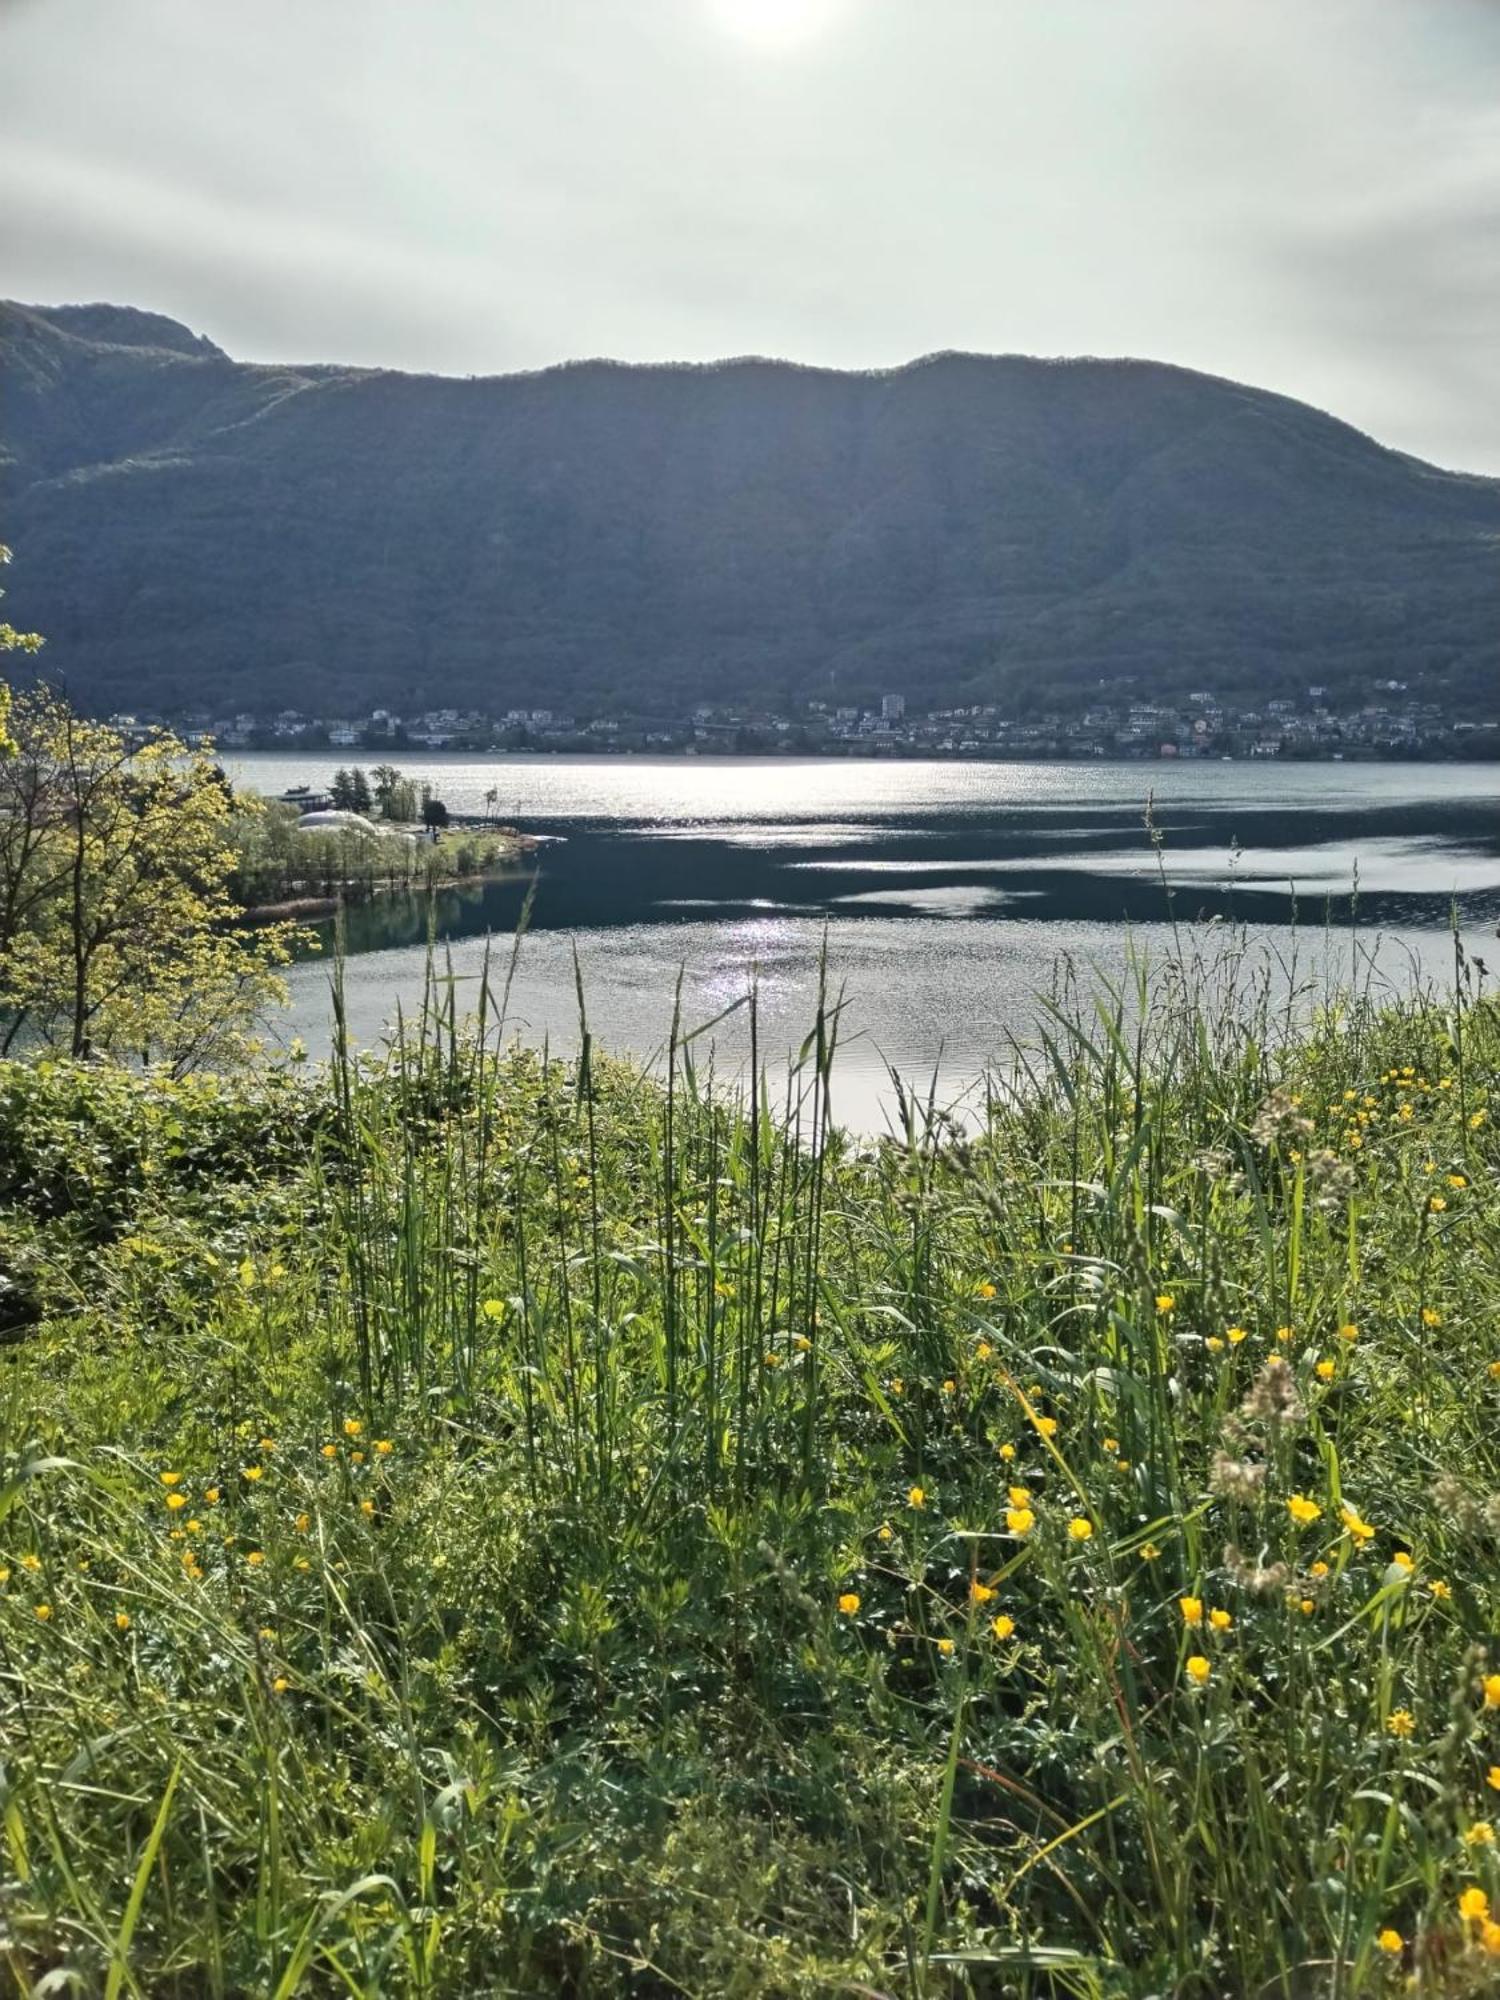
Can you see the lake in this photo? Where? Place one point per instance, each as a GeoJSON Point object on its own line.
{"type": "Point", "coordinates": [944, 894]}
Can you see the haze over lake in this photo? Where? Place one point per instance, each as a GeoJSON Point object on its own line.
{"type": "Point", "coordinates": [945, 894]}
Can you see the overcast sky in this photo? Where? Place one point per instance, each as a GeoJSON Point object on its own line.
{"type": "Point", "coordinates": [1303, 194]}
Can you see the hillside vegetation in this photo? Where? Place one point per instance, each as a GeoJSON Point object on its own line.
{"type": "Point", "coordinates": [474, 1526]}
{"type": "Point", "coordinates": [194, 530]}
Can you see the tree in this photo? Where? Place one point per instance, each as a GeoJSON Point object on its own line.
{"type": "Point", "coordinates": [384, 779]}
{"type": "Point", "coordinates": [342, 790]}
{"type": "Point", "coordinates": [359, 791]}
{"type": "Point", "coordinates": [434, 815]}
{"type": "Point", "coordinates": [117, 929]}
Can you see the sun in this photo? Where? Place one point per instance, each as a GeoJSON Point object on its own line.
{"type": "Point", "coordinates": [775, 24]}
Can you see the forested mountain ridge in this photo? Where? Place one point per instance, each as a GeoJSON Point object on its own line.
{"type": "Point", "coordinates": [190, 530]}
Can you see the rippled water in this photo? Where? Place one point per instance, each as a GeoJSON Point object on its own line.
{"type": "Point", "coordinates": [941, 897]}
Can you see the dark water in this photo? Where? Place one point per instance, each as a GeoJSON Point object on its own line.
{"type": "Point", "coordinates": [945, 895]}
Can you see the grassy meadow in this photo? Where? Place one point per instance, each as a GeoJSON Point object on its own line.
{"type": "Point", "coordinates": [474, 1524]}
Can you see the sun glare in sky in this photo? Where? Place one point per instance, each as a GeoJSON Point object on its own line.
{"type": "Point", "coordinates": [775, 24]}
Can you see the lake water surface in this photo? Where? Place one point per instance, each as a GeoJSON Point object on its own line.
{"type": "Point", "coordinates": [944, 894]}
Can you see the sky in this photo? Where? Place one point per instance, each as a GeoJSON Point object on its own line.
{"type": "Point", "coordinates": [1301, 194]}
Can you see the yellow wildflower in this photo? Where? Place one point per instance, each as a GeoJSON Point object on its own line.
{"type": "Point", "coordinates": [211, 1496]}
{"type": "Point", "coordinates": [1431, 1316]}
{"type": "Point", "coordinates": [1302, 1510]}
{"type": "Point", "coordinates": [122, 1621]}
{"type": "Point", "coordinates": [1080, 1528]}
{"type": "Point", "coordinates": [1401, 1560]}
{"type": "Point", "coordinates": [1149, 1552]}
{"type": "Point", "coordinates": [176, 1500]}
{"type": "Point", "coordinates": [885, 1532]}
{"type": "Point", "coordinates": [280, 1684]}
{"type": "Point", "coordinates": [1317, 1569]}
{"type": "Point", "coordinates": [1492, 1690]}
{"type": "Point", "coordinates": [1435, 1204]}
{"type": "Point", "coordinates": [1474, 1904]}
{"type": "Point", "coordinates": [1391, 1941]}
{"type": "Point", "coordinates": [1492, 1777]}
{"type": "Point", "coordinates": [1401, 1722]}
{"type": "Point", "coordinates": [329, 1450]}
{"type": "Point", "coordinates": [1220, 1620]}
{"type": "Point", "coordinates": [384, 1447]}
{"type": "Point", "coordinates": [1198, 1669]}
{"type": "Point", "coordinates": [367, 1508]}
{"type": "Point", "coordinates": [1480, 1834]}
{"type": "Point", "coordinates": [1360, 1531]}
{"type": "Point", "coordinates": [1349, 1331]}
{"type": "Point", "coordinates": [849, 1603]}
{"type": "Point", "coordinates": [985, 1290]}
{"type": "Point", "coordinates": [43, 1612]}
{"type": "Point", "coordinates": [980, 1593]}
{"type": "Point", "coordinates": [983, 1351]}
{"type": "Point", "coordinates": [1002, 1627]}
{"type": "Point", "coordinates": [916, 1496]}
{"type": "Point", "coordinates": [352, 1427]}
{"type": "Point", "coordinates": [255, 1558]}
{"type": "Point", "coordinates": [1047, 1426]}
{"type": "Point", "coordinates": [1234, 1335]}
{"type": "Point", "coordinates": [1165, 1302]}
{"type": "Point", "coordinates": [253, 1472]}
{"type": "Point", "coordinates": [1191, 1609]}
{"type": "Point", "coordinates": [1325, 1371]}
{"type": "Point", "coordinates": [1020, 1520]}
{"type": "Point", "coordinates": [493, 1308]}
{"type": "Point", "coordinates": [945, 1647]}
{"type": "Point", "coordinates": [171, 1479]}
{"type": "Point", "coordinates": [1008, 1451]}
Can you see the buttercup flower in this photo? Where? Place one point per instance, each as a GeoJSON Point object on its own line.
{"type": "Point", "coordinates": [1002, 1627]}
{"type": "Point", "coordinates": [1191, 1609]}
{"type": "Point", "coordinates": [1080, 1529]}
{"type": "Point", "coordinates": [1198, 1669]}
{"type": "Point", "coordinates": [916, 1496]}
{"type": "Point", "coordinates": [1302, 1510]}
{"type": "Point", "coordinates": [1220, 1620]}
{"type": "Point", "coordinates": [1390, 1941]}
{"type": "Point", "coordinates": [849, 1603]}
{"type": "Point", "coordinates": [1020, 1520]}
{"type": "Point", "coordinates": [1401, 1722]}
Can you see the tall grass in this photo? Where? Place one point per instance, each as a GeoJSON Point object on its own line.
{"type": "Point", "coordinates": [636, 1538]}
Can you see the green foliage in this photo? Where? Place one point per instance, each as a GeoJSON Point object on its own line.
{"type": "Point", "coordinates": [277, 861]}
{"type": "Point", "coordinates": [116, 925]}
{"type": "Point", "coordinates": [965, 529]}
{"type": "Point", "coordinates": [594, 1514]}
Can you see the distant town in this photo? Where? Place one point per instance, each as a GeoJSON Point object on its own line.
{"type": "Point", "coordinates": [1388, 720]}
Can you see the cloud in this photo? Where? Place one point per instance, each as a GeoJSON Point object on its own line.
{"type": "Point", "coordinates": [1300, 197]}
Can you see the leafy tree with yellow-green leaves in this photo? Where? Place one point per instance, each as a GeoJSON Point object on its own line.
{"type": "Point", "coordinates": [117, 930]}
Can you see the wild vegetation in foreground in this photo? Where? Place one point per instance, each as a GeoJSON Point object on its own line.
{"type": "Point", "coordinates": [474, 1525]}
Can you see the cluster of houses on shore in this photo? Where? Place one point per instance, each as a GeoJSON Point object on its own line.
{"type": "Point", "coordinates": [1387, 720]}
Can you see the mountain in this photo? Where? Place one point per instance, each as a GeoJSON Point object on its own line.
{"type": "Point", "coordinates": [190, 530]}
